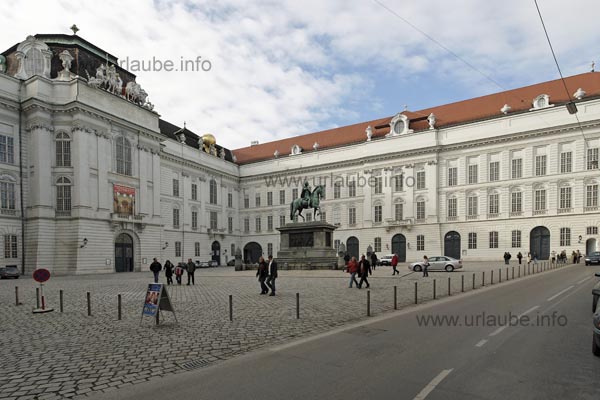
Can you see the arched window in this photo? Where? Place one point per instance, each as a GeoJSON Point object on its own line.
{"type": "Point", "coordinates": [213, 191]}
{"type": "Point", "coordinates": [7, 194]}
{"type": "Point", "coordinates": [63, 150]}
{"type": "Point", "coordinates": [63, 195]}
{"type": "Point", "coordinates": [123, 156]}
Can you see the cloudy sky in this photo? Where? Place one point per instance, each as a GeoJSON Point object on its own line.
{"type": "Point", "coordinates": [286, 67]}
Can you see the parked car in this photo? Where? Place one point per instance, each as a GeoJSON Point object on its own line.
{"type": "Point", "coordinates": [438, 263]}
{"type": "Point", "coordinates": [596, 334]}
{"type": "Point", "coordinates": [592, 258]}
{"type": "Point", "coordinates": [231, 262]}
{"type": "Point", "coordinates": [596, 294]}
{"type": "Point", "coordinates": [10, 271]}
{"type": "Point", "coordinates": [386, 260]}
{"type": "Point", "coordinates": [206, 264]}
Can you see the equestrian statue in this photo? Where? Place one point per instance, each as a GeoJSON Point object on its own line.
{"type": "Point", "coordinates": [308, 199]}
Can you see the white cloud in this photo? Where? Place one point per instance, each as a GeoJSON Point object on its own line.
{"type": "Point", "coordinates": [288, 67]}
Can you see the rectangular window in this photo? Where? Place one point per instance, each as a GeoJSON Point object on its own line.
{"type": "Point", "coordinates": [197, 249]}
{"type": "Point", "coordinates": [398, 183]}
{"type": "Point", "coordinates": [7, 195]}
{"type": "Point", "coordinates": [270, 249]}
{"type": "Point", "coordinates": [420, 242]}
{"type": "Point", "coordinates": [294, 193]}
{"type": "Point", "coordinates": [421, 180]}
{"type": "Point", "coordinates": [566, 162]}
{"type": "Point", "coordinates": [230, 200]}
{"type": "Point", "coordinates": [194, 220]}
{"type": "Point", "coordinates": [377, 245]}
{"type": "Point", "coordinates": [398, 211]}
{"type": "Point", "coordinates": [176, 187]}
{"type": "Point", "coordinates": [493, 240]}
{"type": "Point", "coordinates": [591, 196]}
{"type": "Point", "coordinates": [214, 223]}
{"type": "Point", "coordinates": [473, 173]}
{"type": "Point", "coordinates": [516, 202]}
{"type": "Point", "coordinates": [230, 224]}
{"type": "Point", "coordinates": [472, 206]}
{"type": "Point", "coordinates": [452, 207]}
{"type": "Point", "coordinates": [269, 222]}
{"type": "Point", "coordinates": [177, 249]}
{"type": "Point", "coordinates": [592, 158]}
{"type": "Point", "coordinates": [323, 216]}
{"type": "Point", "coordinates": [565, 236]}
{"type": "Point", "coordinates": [494, 203]}
{"type": "Point", "coordinates": [282, 197]}
{"type": "Point", "coordinates": [378, 213]}
{"type": "Point", "coordinates": [269, 198]}
{"type": "Point", "coordinates": [10, 246]}
{"type": "Point", "coordinates": [257, 200]}
{"type": "Point", "coordinates": [246, 202]}
{"type": "Point", "coordinates": [194, 192]}
{"type": "Point", "coordinates": [258, 224]}
{"type": "Point", "coordinates": [63, 198]}
{"type": "Point", "coordinates": [246, 225]}
{"type": "Point", "coordinates": [517, 168]}
{"type": "Point", "coordinates": [516, 239]}
{"type": "Point", "coordinates": [421, 210]}
{"type": "Point", "coordinates": [352, 189]}
{"type": "Point", "coordinates": [540, 165]}
{"type": "Point", "coordinates": [212, 192]}
{"type": "Point", "coordinates": [308, 217]}
{"type": "Point", "coordinates": [540, 200]}
{"type": "Point", "coordinates": [494, 171]}
{"type": "Point", "coordinates": [281, 220]}
{"type": "Point", "coordinates": [452, 176]}
{"type": "Point", "coordinates": [565, 197]}
{"type": "Point", "coordinates": [591, 230]}
{"type": "Point", "coordinates": [7, 150]}
{"type": "Point", "coordinates": [378, 185]}
{"type": "Point", "coordinates": [472, 240]}
{"type": "Point", "coordinates": [352, 216]}
{"type": "Point", "coordinates": [232, 249]}
{"type": "Point", "coordinates": [175, 218]}
{"type": "Point", "coordinates": [337, 190]}
{"type": "Point", "coordinates": [63, 152]}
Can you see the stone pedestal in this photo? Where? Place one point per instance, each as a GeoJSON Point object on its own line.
{"type": "Point", "coordinates": [307, 245]}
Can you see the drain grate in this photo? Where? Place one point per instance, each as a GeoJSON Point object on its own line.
{"type": "Point", "coordinates": [195, 364]}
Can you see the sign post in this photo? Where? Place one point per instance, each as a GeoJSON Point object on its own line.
{"type": "Point", "coordinates": [41, 275]}
{"type": "Point", "coordinates": [157, 298]}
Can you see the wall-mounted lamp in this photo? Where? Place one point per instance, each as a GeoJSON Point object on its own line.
{"type": "Point", "coordinates": [166, 245]}
{"type": "Point", "coordinates": [85, 242]}
{"type": "Point", "coordinates": [580, 238]}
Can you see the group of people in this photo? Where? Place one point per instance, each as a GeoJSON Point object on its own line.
{"type": "Point", "coordinates": [171, 270]}
{"type": "Point", "coordinates": [560, 257]}
{"type": "Point", "coordinates": [267, 274]}
{"type": "Point", "coordinates": [361, 268]}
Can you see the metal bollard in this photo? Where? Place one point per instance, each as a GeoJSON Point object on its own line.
{"type": "Point", "coordinates": [492, 278]}
{"type": "Point", "coordinates": [507, 273]}
{"type": "Point", "coordinates": [60, 300]}
{"type": "Point", "coordinates": [483, 278]}
{"type": "Point", "coordinates": [416, 298]}
{"type": "Point", "coordinates": [519, 275]}
{"type": "Point", "coordinates": [395, 297]}
{"type": "Point", "coordinates": [89, 304]}
{"type": "Point", "coordinates": [16, 295]}
{"type": "Point", "coordinates": [434, 289]}
{"type": "Point", "coordinates": [297, 305]}
{"type": "Point", "coordinates": [230, 308]}
{"type": "Point", "coordinates": [37, 297]}
{"type": "Point", "coordinates": [462, 283]}
{"type": "Point", "coordinates": [368, 303]}
{"type": "Point", "coordinates": [119, 314]}
{"type": "Point", "coordinates": [513, 273]}
{"type": "Point", "coordinates": [449, 292]}
{"type": "Point", "coordinates": [473, 281]}
{"type": "Point", "coordinates": [499, 275]}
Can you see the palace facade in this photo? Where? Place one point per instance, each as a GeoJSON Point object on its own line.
{"type": "Point", "coordinates": [92, 179]}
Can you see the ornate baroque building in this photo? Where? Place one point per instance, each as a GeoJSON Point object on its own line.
{"type": "Point", "coordinates": [93, 180]}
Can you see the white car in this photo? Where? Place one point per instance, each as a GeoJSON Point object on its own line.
{"type": "Point", "coordinates": [438, 263]}
{"type": "Point", "coordinates": [386, 260]}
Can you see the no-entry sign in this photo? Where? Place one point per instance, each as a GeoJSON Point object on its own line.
{"type": "Point", "coordinates": [41, 275]}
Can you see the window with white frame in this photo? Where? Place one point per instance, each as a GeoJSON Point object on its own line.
{"type": "Point", "coordinates": [7, 192]}
{"type": "Point", "coordinates": [232, 249]}
{"type": "Point", "coordinates": [452, 176]}
{"type": "Point", "coordinates": [213, 192]}
{"type": "Point", "coordinates": [398, 211]}
{"type": "Point", "coordinates": [337, 215]}
{"type": "Point", "coordinates": [516, 239]}
{"type": "Point", "coordinates": [452, 207]}
{"type": "Point", "coordinates": [420, 179]}
{"type": "Point", "coordinates": [197, 249]}
{"type": "Point", "coordinates": [281, 220]}
{"type": "Point", "coordinates": [378, 213]}
{"type": "Point", "coordinates": [352, 189]}
{"type": "Point", "coordinates": [377, 245]}
{"type": "Point", "coordinates": [257, 200]}
{"type": "Point", "coordinates": [421, 210]}
{"type": "Point", "coordinates": [540, 200]}
{"type": "Point", "coordinates": [323, 216]}
{"type": "Point", "coordinates": [246, 201]}
{"type": "Point", "coordinates": [494, 171]}
{"type": "Point", "coordinates": [10, 246]}
{"type": "Point", "coordinates": [194, 220]}
{"type": "Point", "coordinates": [566, 162]}
{"type": "Point", "coordinates": [591, 195]}
{"type": "Point", "coordinates": [308, 216]}
{"type": "Point", "coordinates": [337, 190]}
{"type": "Point", "coordinates": [378, 185]}
{"type": "Point", "coordinates": [472, 240]}
{"type": "Point", "coordinates": [177, 249]}
{"type": "Point", "coordinates": [294, 193]}
{"type": "Point", "coordinates": [269, 198]}
{"type": "Point", "coordinates": [516, 202]}
{"type": "Point", "coordinates": [269, 222]}
{"type": "Point", "coordinates": [517, 168]}
{"type": "Point", "coordinates": [123, 156]}
{"type": "Point", "coordinates": [176, 187]}
{"type": "Point", "coordinates": [473, 173]}
{"type": "Point", "coordinates": [258, 224]}
{"type": "Point", "coordinates": [591, 230]}
{"type": "Point", "coordinates": [592, 158]}
{"type": "Point", "coordinates": [270, 249]}
{"type": "Point", "coordinates": [195, 192]}
{"type": "Point", "coordinates": [493, 240]}
{"type": "Point", "coordinates": [63, 150]}
{"type": "Point", "coordinates": [246, 225]}
{"type": "Point", "coordinates": [565, 197]}
{"type": "Point", "coordinates": [494, 204]}
{"type": "Point", "coordinates": [352, 216]}
{"type": "Point", "coordinates": [399, 182]}
{"type": "Point", "coordinates": [420, 242]}
{"type": "Point", "coordinates": [176, 218]}
{"type": "Point", "coordinates": [472, 205]}
{"type": "Point", "coordinates": [230, 224]}
{"type": "Point", "coordinates": [565, 236]}
{"type": "Point", "coordinates": [230, 200]}
{"type": "Point", "coordinates": [282, 197]}
{"type": "Point", "coordinates": [214, 220]}
{"type": "Point", "coordinates": [7, 149]}
{"type": "Point", "coordinates": [540, 165]}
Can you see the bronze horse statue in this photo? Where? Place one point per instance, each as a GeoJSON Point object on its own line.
{"type": "Point", "coordinates": [297, 205]}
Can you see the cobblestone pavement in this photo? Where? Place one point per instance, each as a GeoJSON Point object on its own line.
{"type": "Point", "coordinates": [71, 354]}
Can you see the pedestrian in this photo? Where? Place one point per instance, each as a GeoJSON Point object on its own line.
{"type": "Point", "coordinates": [506, 257]}
{"type": "Point", "coordinates": [155, 267]}
{"type": "Point", "coordinates": [425, 266]}
{"type": "Point", "coordinates": [352, 270]}
{"type": "Point", "coordinates": [535, 259]}
{"type": "Point", "coordinates": [553, 256]}
{"type": "Point", "coordinates": [395, 264]}
{"type": "Point", "coordinates": [262, 273]}
{"type": "Point", "coordinates": [528, 259]}
{"type": "Point", "coordinates": [272, 271]}
{"type": "Point", "coordinates": [169, 272]}
{"type": "Point", "coordinates": [373, 260]}
{"type": "Point", "coordinates": [365, 271]}
{"type": "Point", "coordinates": [191, 268]}
{"type": "Point", "coordinates": [519, 257]}
{"type": "Point", "coordinates": [574, 256]}
{"type": "Point", "coordinates": [178, 273]}
{"type": "Point", "coordinates": [578, 256]}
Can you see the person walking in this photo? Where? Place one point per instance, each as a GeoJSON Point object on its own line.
{"type": "Point", "coordinates": [574, 256]}
{"type": "Point", "coordinates": [262, 273]}
{"type": "Point", "coordinates": [191, 268]}
{"type": "Point", "coordinates": [578, 256]}
{"type": "Point", "coordinates": [155, 267]}
{"type": "Point", "coordinates": [373, 260]}
{"type": "Point", "coordinates": [272, 271]}
{"type": "Point", "coordinates": [178, 273]}
{"type": "Point", "coordinates": [395, 264]}
{"type": "Point", "coordinates": [519, 257]}
{"type": "Point", "coordinates": [352, 270]}
{"type": "Point", "coordinates": [506, 257]}
{"type": "Point", "coordinates": [169, 272]}
{"type": "Point", "coordinates": [425, 266]}
{"type": "Point", "coordinates": [553, 256]}
{"type": "Point", "coordinates": [365, 270]}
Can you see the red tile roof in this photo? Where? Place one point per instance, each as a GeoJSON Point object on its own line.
{"type": "Point", "coordinates": [446, 115]}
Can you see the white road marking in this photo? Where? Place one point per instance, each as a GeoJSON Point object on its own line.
{"type": "Point", "coordinates": [528, 311]}
{"type": "Point", "coordinates": [561, 292]}
{"type": "Point", "coordinates": [481, 343]}
{"type": "Point", "coordinates": [499, 330]}
{"type": "Point", "coordinates": [583, 280]}
{"type": "Point", "coordinates": [436, 381]}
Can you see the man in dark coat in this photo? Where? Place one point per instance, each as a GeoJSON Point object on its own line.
{"type": "Point", "coordinates": [365, 269]}
{"type": "Point", "coordinates": [373, 260]}
{"type": "Point", "coordinates": [191, 268]}
{"type": "Point", "coordinates": [261, 273]}
{"type": "Point", "coordinates": [272, 271]}
{"type": "Point", "coordinates": [155, 267]}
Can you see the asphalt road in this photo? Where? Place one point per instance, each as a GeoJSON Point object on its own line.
{"type": "Point", "coordinates": [393, 357]}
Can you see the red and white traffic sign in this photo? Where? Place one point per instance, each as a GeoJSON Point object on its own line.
{"type": "Point", "coordinates": [41, 275]}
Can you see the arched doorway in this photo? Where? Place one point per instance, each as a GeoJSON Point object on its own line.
{"type": "Point", "coordinates": [216, 252]}
{"type": "Point", "coordinates": [452, 244]}
{"type": "Point", "coordinates": [539, 243]}
{"type": "Point", "coordinates": [399, 246]}
{"type": "Point", "coordinates": [591, 245]}
{"type": "Point", "coordinates": [123, 253]}
{"type": "Point", "coordinates": [352, 247]}
{"type": "Point", "coordinates": [252, 252]}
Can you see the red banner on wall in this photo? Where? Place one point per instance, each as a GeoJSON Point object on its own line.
{"type": "Point", "coordinates": [123, 200]}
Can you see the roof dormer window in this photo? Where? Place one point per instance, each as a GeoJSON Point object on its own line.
{"type": "Point", "coordinates": [399, 125]}
{"type": "Point", "coordinates": [541, 101]}
{"type": "Point", "coordinates": [296, 150]}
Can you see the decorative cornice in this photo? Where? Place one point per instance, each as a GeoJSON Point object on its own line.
{"type": "Point", "coordinates": [40, 126]}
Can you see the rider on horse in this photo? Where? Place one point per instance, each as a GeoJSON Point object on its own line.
{"type": "Point", "coordinates": [305, 196]}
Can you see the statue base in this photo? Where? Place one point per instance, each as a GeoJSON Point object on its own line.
{"type": "Point", "coordinates": [307, 245]}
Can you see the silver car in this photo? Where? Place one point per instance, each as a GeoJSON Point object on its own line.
{"type": "Point", "coordinates": [438, 263]}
